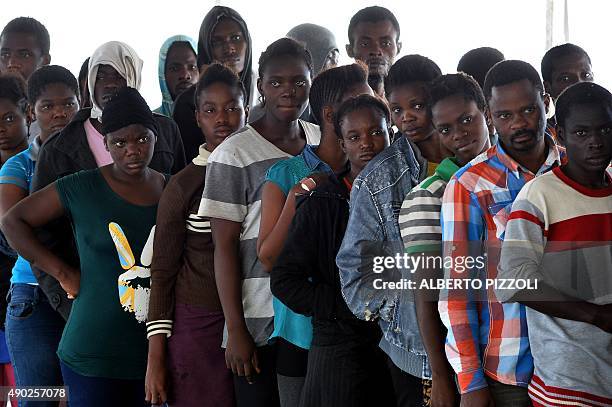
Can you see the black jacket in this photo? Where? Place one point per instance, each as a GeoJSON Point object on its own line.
{"type": "Point", "coordinates": [68, 152]}
{"type": "Point", "coordinates": [305, 276]}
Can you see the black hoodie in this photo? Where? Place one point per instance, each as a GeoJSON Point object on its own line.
{"type": "Point", "coordinates": [305, 276]}
{"type": "Point", "coordinates": [184, 106]}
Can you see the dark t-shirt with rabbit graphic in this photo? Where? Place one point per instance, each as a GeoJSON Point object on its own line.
{"type": "Point", "coordinates": [105, 335]}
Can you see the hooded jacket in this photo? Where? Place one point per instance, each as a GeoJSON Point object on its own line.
{"type": "Point", "coordinates": [123, 59]}
{"type": "Point", "coordinates": [167, 105]}
{"type": "Point", "coordinates": [184, 105]}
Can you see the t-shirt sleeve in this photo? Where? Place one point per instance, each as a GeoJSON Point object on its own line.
{"type": "Point", "coordinates": [280, 175]}
{"type": "Point", "coordinates": [226, 186]}
{"type": "Point", "coordinates": [67, 190]}
{"type": "Point", "coordinates": [419, 222]}
{"type": "Point", "coordinates": [14, 172]}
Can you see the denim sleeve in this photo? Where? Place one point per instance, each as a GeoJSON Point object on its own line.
{"type": "Point", "coordinates": [362, 245]}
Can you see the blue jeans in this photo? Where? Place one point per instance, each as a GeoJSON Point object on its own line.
{"type": "Point", "coordinates": [33, 332]}
{"type": "Point", "coordinates": [85, 391]}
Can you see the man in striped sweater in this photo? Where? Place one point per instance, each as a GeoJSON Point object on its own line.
{"type": "Point", "coordinates": [458, 114]}
{"type": "Point", "coordinates": [559, 233]}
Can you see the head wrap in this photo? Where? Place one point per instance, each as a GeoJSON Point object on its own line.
{"type": "Point", "coordinates": [319, 41]}
{"type": "Point", "coordinates": [167, 102]}
{"type": "Point", "coordinates": [123, 59]}
{"type": "Point", "coordinates": [125, 108]}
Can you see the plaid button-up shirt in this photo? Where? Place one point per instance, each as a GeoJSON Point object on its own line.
{"type": "Point", "coordinates": [485, 337]}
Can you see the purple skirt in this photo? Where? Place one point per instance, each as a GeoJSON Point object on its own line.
{"type": "Point", "coordinates": [198, 374]}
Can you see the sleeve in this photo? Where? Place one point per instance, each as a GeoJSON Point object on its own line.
{"type": "Point", "coordinates": [225, 189]}
{"type": "Point", "coordinates": [178, 148]}
{"type": "Point", "coordinates": [167, 259]}
{"type": "Point", "coordinates": [290, 279]}
{"type": "Point", "coordinates": [66, 190]}
{"type": "Point", "coordinates": [279, 174]}
{"type": "Point", "coordinates": [358, 259]}
{"type": "Point", "coordinates": [462, 234]}
{"type": "Point", "coordinates": [419, 222]}
{"type": "Point", "coordinates": [14, 172]}
{"type": "Point", "coordinates": [45, 172]}
{"type": "Point", "coordinates": [524, 243]}
{"type": "Point", "coordinates": [58, 235]}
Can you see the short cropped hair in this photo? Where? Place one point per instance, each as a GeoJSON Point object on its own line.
{"type": "Point", "coordinates": [583, 93]}
{"type": "Point", "coordinates": [460, 84]}
{"type": "Point", "coordinates": [47, 75]}
{"type": "Point", "coordinates": [411, 68]}
{"type": "Point", "coordinates": [29, 25]}
{"type": "Point", "coordinates": [357, 103]}
{"type": "Point", "coordinates": [218, 73]}
{"type": "Point", "coordinates": [478, 61]}
{"type": "Point", "coordinates": [13, 88]}
{"type": "Point", "coordinates": [510, 71]}
{"type": "Point", "coordinates": [284, 47]}
{"type": "Point", "coordinates": [329, 87]}
{"type": "Point", "coordinates": [372, 14]}
{"type": "Point", "coordinates": [560, 51]}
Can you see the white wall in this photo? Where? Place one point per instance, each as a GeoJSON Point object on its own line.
{"type": "Point", "coordinates": [441, 30]}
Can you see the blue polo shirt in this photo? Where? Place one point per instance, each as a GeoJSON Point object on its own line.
{"type": "Point", "coordinates": [293, 327]}
{"type": "Point", "coordinates": [19, 170]}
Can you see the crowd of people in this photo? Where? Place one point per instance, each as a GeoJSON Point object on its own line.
{"type": "Point", "coordinates": [225, 249]}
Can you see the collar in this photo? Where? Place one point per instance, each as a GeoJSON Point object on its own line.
{"type": "Point", "coordinates": [447, 168]}
{"type": "Point", "coordinates": [202, 158]}
{"type": "Point", "coordinates": [311, 158]}
{"type": "Point", "coordinates": [554, 157]}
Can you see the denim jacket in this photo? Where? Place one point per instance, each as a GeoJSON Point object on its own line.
{"type": "Point", "coordinates": [372, 231]}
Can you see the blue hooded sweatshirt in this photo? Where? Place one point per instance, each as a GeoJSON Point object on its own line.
{"type": "Point", "coordinates": [167, 105]}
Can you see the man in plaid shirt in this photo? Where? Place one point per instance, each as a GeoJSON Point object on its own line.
{"type": "Point", "coordinates": [487, 342]}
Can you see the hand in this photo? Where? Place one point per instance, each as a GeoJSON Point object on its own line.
{"type": "Point", "coordinates": [477, 398]}
{"type": "Point", "coordinates": [241, 354]}
{"type": "Point", "coordinates": [603, 318]}
{"type": "Point", "coordinates": [156, 390]}
{"type": "Point", "coordinates": [71, 281]}
{"type": "Point", "coordinates": [443, 391]}
{"type": "Point", "coordinates": [309, 183]}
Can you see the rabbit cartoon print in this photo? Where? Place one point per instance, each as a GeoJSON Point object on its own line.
{"type": "Point", "coordinates": [134, 283]}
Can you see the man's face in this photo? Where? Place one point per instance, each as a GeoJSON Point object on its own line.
{"type": "Point", "coordinates": [20, 53]}
{"type": "Point", "coordinates": [567, 71]}
{"type": "Point", "coordinates": [229, 45]}
{"type": "Point", "coordinates": [518, 112]}
{"type": "Point", "coordinates": [587, 135]}
{"type": "Point", "coordinates": [374, 43]}
{"type": "Point", "coordinates": [108, 83]}
{"type": "Point", "coordinates": [181, 68]}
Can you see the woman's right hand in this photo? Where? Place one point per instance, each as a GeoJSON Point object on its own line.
{"type": "Point", "coordinates": [156, 379]}
{"type": "Point", "coordinates": [71, 281]}
{"type": "Point", "coordinates": [309, 183]}
{"type": "Point", "coordinates": [241, 354]}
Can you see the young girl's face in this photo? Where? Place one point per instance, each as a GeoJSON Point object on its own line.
{"type": "Point", "coordinates": [54, 108]}
{"type": "Point", "coordinates": [462, 127]}
{"type": "Point", "coordinates": [285, 85]}
{"type": "Point", "coordinates": [220, 112]}
{"type": "Point", "coordinates": [364, 135]}
{"type": "Point", "coordinates": [13, 125]}
{"type": "Point", "coordinates": [408, 104]}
